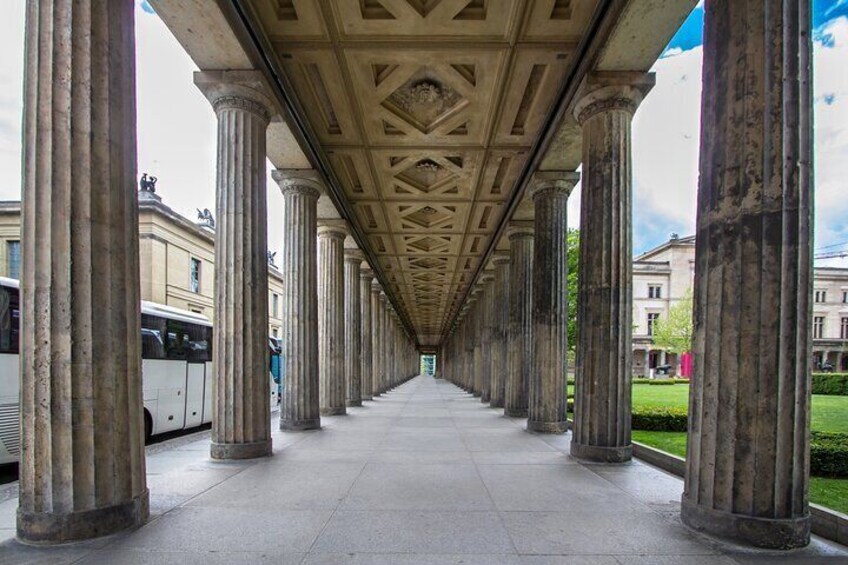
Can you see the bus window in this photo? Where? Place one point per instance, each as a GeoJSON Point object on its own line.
{"type": "Point", "coordinates": [152, 337]}
{"type": "Point", "coordinates": [199, 343]}
{"type": "Point", "coordinates": [9, 320]}
{"type": "Point", "coordinates": [177, 343]}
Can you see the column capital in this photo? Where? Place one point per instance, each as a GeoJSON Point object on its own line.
{"type": "Point", "coordinates": [299, 181]}
{"type": "Point", "coordinates": [609, 91]}
{"type": "Point", "coordinates": [241, 90]}
{"type": "Point", "coordinates": [519, 229]}
{"type": "Point", "coordinates": [366, 274]}
{"type": "Point", "coordinates": [375, 286]}
{"type": "Point", "coordinates": [354, 256]}
{"type": "Point", "coordinates": [333, 228]}
{"type": "Point", "coordinates": [500, 258]}
{"type": "Point", "coordinates": [553, 182]}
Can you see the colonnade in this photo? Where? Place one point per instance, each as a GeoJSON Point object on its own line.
{"type": "Point", "coordinates": [747, 465]}
{"type": "Point", "coordinates": [82, 457]}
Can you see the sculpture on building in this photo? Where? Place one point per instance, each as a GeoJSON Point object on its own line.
{"type": "Point", "coordinates": [148, 184]}
{"type": "Point", "coordinates": [205, 219]}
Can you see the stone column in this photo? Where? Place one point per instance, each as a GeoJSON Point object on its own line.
{"type": "Point", "coordinates": [601, 430]}
{"type": "Point", "coordinates": [366, 277]}
{"type": "Point", "coordinates": [82, 472]}
{"type": "Point", "coordinates": [331, 317]}
{"type": "Point", "coordinates": [499, 314]}
{"type": "Point", "coordinates": [376, 340]}
{"type": "Point", "coordinates": [382, 347]}
{"type": "Point", "coordinates": [747, 465]}
{"type": "Point", "coordinates": [241, 411]}
{"type": "Point", "coordinates": [299, 406]}
{"type": "Point", "coordinates": [547, 402]}
{"type": "Point", "coordinates": [520, 339]}
{"type": "Point", "coordinates": [353, 327]}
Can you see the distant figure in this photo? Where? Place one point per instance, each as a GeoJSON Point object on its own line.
{"type": "Point", "coordinates": [148, 184]}
{"type": "Point", "coordinates": [205, 218]}
{"type": "Point", "coordinates": [271, 258]}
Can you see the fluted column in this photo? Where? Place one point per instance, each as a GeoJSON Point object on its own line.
{"type": "Point", "coordinates": [331, 318]}
{"type": "Point", "coordinates": [241, 411]}
{"type": "Point", "coordinates": [366, 277]}
{"type": "Point", "coordinates": [382, 347]}
{"type": "Point", "coordinates": [499, 314]}
{"type": "Point", "coordinates": [299, 409]}
{"type": "Point", "coordinates": [520, 332]}
{"type": "Point", "coordinates": [747, 465]}
{"type": "Point", "coordinates": [547, 402]}
{"type": "Point", "coordinates": [82, 472]}
{"type": "Point", "coordinates": [353, 327]}
{"type": "Point", "coordinates": [376, 340]}
{"type": "Point", "coordinates": [601, 430]}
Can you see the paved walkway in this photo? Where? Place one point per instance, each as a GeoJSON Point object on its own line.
{"type": "Point", "coordinates": [424, 474]}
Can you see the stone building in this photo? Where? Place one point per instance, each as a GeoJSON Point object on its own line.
{"type": "Point", "coordinates": [176, 259]}
{"type": "Point", "coordinates": [664, 275]}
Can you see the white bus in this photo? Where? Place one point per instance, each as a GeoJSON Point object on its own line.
{"type": "Point", "coordinates": [176, 352]}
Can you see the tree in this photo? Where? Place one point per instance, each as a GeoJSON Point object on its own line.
{"type": "Point", "coordinates": [674, 333]}
{"type": "Point", "coordinates": [573, 247]}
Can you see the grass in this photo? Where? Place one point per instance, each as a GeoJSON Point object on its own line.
{"type": "Point", "coordinates": [829, 414]}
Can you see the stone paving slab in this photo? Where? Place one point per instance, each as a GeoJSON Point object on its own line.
{"type": "Point", "coordinates": [425, 474]}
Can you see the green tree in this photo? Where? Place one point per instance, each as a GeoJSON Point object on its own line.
{"type": "Point", "coordinates": [573, 247]}
{"type": "Point", "coordinates": [674, 333]}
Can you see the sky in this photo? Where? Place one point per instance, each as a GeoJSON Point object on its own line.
{"type": "Point", "coordinates": [176, 128]}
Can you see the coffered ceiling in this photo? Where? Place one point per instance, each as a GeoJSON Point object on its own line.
{"type": "Point", "coordinates": [426, 111]}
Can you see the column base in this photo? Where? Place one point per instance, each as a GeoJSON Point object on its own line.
{"type": "Point", "coordinates": [45, 528]}
{"type": "Point", "coordinates": [515, 412]}
{"type": "Point", "coordinates": [225, 451]}
{"type": "Point", "coordinates": [354, 402]}
{"type": "Point", "coordinates": [547, 427]}
{"type": "Point", "coordinates": [476, 394]}
{"type": "Point", "coordinates": [485, 398]}
{"type": "Point", "coordinates": [300, 425]}
{"type": "Point", "coordinates": [602, 454]}
{"type": "Point", "coordinates": [766, 533]}
{"type": "Point", "coordinates": [334, 411]}
{"type": "Point", "coordinates": [367, 399]}
{"type": "Point", "coordinates": [496, 403]}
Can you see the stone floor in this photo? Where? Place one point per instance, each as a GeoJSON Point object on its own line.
{"type": "Point", "coordinates": [424, 474]}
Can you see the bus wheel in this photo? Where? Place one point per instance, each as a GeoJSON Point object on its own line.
{"type": "Point", "coordinates": [148, 427]}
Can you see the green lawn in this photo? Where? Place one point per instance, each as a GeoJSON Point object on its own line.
{"type": "Point", "coordinates": [829, 414]}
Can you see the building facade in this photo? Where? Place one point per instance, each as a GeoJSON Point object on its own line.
{"type": "Point", "coordinates": [176, 259]}
{"type": "Point", "coordinates": [665, 275]}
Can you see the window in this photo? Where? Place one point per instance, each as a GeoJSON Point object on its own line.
{"type": "Point", "coordinates": [171, 339]}
{"type": "Point", "coordinates": [652, 318]}
{"type": "Point", "coordinates": [843, 334]}
{"type": "Point", "coordinates": [818, 327]}
{"type": "Point", "coordinates": [194, 281]}
{"type": "Point", "coordinates": [13, 259]}
{"type": "Point", "coordinates": [845, 296]}
{"type": "Point", "coordinates": [275, 300]}
{"type": "Point", "coordinates": [654, 291]}
{"type": "Point", "coordinates": [821, 296]}
{"type": "Point", "coordinates": [10, 316]}
{"type": "Point", "coordinates": [275, 332]}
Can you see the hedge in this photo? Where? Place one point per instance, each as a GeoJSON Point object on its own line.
{"type": "Point", "coordinates": [830, 383]}
{"type": "Point", "coordinates": [829, 454]}
{"type": "Point", "coordinates": [662, 382]}
{"type": "Point", "coordinates": [659, 419]}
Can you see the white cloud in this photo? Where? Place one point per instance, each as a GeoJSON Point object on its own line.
{"type": "Point", "coordinates": [11, 98]}
{"type": "Point", "coordinates": [665, 151]}
{"type": "Point", "coordinates": [831, 135]}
